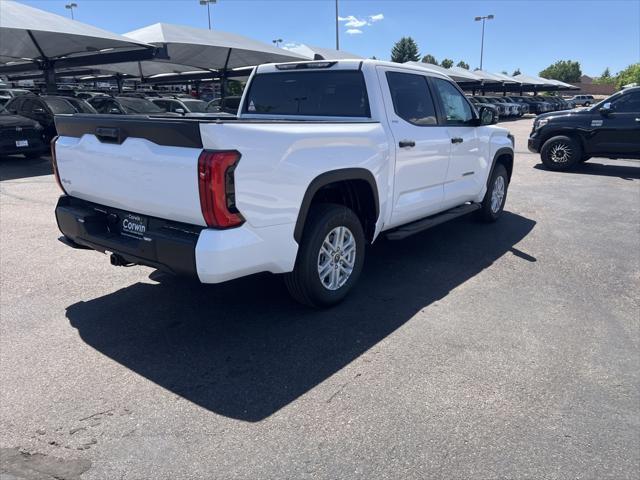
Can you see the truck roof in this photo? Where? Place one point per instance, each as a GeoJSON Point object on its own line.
{"type": "Point", "coordinates": [346, 64]}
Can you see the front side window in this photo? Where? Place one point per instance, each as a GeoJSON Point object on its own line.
{"type": "Point", "coordinates": [629, 103]}
{"type": "Point", "coordinates": [411, 98]}
{"type": "Point", "coordinates": [456, 108]}
{"type": "Point", "coordinates": [337, 93]}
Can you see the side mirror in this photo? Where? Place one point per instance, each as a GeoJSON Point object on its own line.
{"type": "Point", "coordinates": [606, 109]}
{"type": "Point", "coordinates": [180, 111]}
{"type": "Point", "coordinates": [487, 116]}
{"type": "Point", "coordinates": [115, 111]}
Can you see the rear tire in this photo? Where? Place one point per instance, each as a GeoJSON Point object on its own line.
{"type": "Point", "coordinates": [560, 153]}
{"type": "Point", "coordinates": [330, 257]}
{"type": "Point", "coordinates": [496, 196]}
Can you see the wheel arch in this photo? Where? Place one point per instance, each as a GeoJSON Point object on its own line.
{"type": "Point", "coordinates": [503, 156]}
{"type": "Point", "coordinates": [345, 180]}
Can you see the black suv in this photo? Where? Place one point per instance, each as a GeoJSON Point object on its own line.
{"type": "Point", "coordinates": [609, 129]}
{"type": "Point", "coordinates": [20, 135]}
{"type": "Point", "coordinates": [43, 108]}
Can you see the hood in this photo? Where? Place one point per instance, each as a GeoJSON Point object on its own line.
{"type": "Point", "coordinates": [16, 121]}
{"type": "Point", "coordinates": [563, 115]}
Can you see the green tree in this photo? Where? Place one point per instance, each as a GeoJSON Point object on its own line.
{"type": "Point", "coordinates": [405, 50]}
{"type": "Point", "coordinates": [447, 63]}
{"type": "Point", "coordinates": [463, 64]}
{"type": "Point", "coordinates": [516, 72]}
{"type": "Point", "coordinates": [504, 72]}
{"type": "Point", "coordinates": [631, 74]}
{"type": "Point", "coordinates": [428, 58]}
{"type": "Point", "coordinates": [606, 73]}
{"type": "Point", "coordinates": [563, 70]}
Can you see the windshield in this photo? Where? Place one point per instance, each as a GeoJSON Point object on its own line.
{"type": "Point", "coordinates": [197, 106]}
{"type": "Point", "coordinates": [59, 105]}
{"type": "Point", "coordinates": [139, 105]}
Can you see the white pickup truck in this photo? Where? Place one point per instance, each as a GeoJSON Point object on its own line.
{"type": "Point", "coordinates": [322, 158]}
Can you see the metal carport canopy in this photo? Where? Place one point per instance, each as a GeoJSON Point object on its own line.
{"type": "Point", "coordinates": [462, 77]}
{"type": "Point", "coordinates": [537, 82]}
{"type": "Point", "coordinates": [561, 85]}
{"type": "Point", "coordinates": [320, 53]}
{"type": "Point", "coordinates": [210, 49]}
{"type": "Point", "coordinates": [32, 39]}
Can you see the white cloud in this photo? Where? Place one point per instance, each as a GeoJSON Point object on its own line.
{"type": "Point", "coordinates": [353, 23]}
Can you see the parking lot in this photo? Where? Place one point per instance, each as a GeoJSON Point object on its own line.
{"type": "Point", "coordinates": [508, 350]}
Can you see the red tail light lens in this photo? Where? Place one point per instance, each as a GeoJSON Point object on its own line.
{"type": "Point", "coordinates": [217, 188]}
{"type": "Point", "coordinates": [54, 163]}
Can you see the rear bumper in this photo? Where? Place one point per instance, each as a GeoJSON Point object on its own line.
{"type": "Point", "coordinates": [167, 246]}
{"type": "Point", "coordinates": [213, 256]}
{"type": "Point", "coordinates": [9, 147]}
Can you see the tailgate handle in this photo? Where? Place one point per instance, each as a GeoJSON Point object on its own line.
{"type": "Point", "coordinates": [108, 134]}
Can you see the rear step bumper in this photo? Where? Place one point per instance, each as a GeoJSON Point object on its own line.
{"type": "Point", "coordinates": [420, 225]}
{"type": "Point", "coordinates": [166, 245]}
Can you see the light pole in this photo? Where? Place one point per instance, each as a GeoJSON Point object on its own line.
{"type": "Point", "coordinates": [71, 6]}
{"type": "Point", "coordinates": [208, 3]}
{"type": "Point", "coordinates": [477, 19]}
{"type": "Point", "coordinates": [337, 29]}
{"type": "Point", "coordinates": [277, 42]}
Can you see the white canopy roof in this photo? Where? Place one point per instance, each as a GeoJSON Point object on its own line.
{"type": "Point", "coordinates": [210, 49]}
{"type": "Point", "coordinates": [532, 80]}
{"type": "Point", "coordinates": [489, 77]}
{"type": "Point", "coordinates": [459, 75]}
{"type": "Point", "coordinates": [28, 34]}
{"type": "Point", "coordinates": [310, 52]}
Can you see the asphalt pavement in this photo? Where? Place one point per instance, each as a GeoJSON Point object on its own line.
{"type": "Point", "coordinates": [470, 351]}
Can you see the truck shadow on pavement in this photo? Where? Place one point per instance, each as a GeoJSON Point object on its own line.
{"type": "Point", "coordinates": [15, 166]}
{"type": "Point", "coordinates": [245, 350]}
{"type": "Point", "coordinates": [626, 172]}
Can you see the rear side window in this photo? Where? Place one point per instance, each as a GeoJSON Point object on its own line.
{"type": "Point", "coordinates": [338, 93]}
{"type": "Point", "coordinates": [411, 98]}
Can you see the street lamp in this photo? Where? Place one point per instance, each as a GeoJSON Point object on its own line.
{"type": "Point", "coordinates": [277, 42]}
{"type": "Point", "coordinates": [477, 19]}
{"type": "Point", "coordinates": [71, 6]}
{"type": "Point", "coordinates": [337, 29]}
{"type": "Point", "coordinates": [208, 3]}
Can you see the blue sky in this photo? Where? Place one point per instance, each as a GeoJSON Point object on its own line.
{"type": "Point", "coordinates": [528, 35]}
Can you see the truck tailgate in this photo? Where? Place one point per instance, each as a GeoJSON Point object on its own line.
{"type": "Point", "coordinates": [143, 165]}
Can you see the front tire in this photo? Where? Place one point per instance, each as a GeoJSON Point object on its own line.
{"type": "Point", "coordinates": [330, 257]}
{"type": "Point", "coordinates": [560, 153]}
{"type": "Point", "coordinates": [496, 196]}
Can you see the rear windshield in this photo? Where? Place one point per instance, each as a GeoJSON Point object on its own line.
{"type": "Point", "coordinates": [338, 93]}
{"type": "Point", "coordinates": [140, 105]}
{"type": "Point", "coordinates": [197, 106]}
{"type": "Point", "coordinates": [59, 105]}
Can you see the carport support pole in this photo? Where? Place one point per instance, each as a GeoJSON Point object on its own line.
{"type": "Point", "coordinates": [119, 82]}
{"type": "Point", "coordinates": [223, 75]}
{"type": "Point", "coordinates": [49, 74]}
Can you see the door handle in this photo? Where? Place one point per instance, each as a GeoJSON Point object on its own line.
{"type": "Point", "coordinates": [457, 140]}
{"type": "Point", "coordinates": [406, 143]}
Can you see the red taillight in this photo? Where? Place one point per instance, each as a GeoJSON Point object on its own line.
{"type": "Point", "coordinates": [54, 164]}
{"type": "Point", "coordinates": [217, 188]}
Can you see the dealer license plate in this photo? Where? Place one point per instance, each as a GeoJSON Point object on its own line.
{"type": "Point", "coordinates": [132, 224]}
